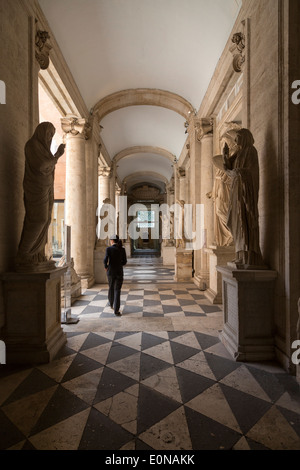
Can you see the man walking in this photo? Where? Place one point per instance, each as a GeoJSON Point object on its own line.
{"type": "Point", "coordinates": [115, 259]}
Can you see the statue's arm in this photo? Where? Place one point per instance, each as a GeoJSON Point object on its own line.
{"type": "Point", "coordinates": [60, 151]}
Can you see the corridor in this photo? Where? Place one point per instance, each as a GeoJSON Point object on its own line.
{"type": "Point", "coordinates": [156, 378]}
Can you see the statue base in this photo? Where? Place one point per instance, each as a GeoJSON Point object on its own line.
{"type": "Point", "coordinates": [99, 271]}
{"type": "Point", "coordinates": [248, 300]}
{"type": "Point", "coordinates": [32, 307]}
{"type": "Point", "coordinates": [41, 267]}
{"type": "Point", "coordinates": [218, 256]}
{"type": "Point", "coordinates": [168, 255]}
{"type": "Point", "coordinates": [183, 265]}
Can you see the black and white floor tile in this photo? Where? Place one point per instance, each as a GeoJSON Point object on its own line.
{"type": "Point", "coordinates": [149, 388]}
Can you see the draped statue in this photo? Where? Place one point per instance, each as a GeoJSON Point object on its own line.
{"type": "Point", "coordinates": [38, 185]}
{"type": "Point", "coordinates": [242, 218]}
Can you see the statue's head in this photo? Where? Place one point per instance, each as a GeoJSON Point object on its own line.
{"type": "Point", "coordinates": [44, 133]}
{"type": "Point", "coordinates": [244, 138]}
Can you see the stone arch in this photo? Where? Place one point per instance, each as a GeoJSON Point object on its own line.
{"type": "Point", "coordinates": [142, 97]}
{"type": "Point", "coordinates": [144, 149]}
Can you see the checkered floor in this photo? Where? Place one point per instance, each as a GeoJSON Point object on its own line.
{"type": "Point", "coordinates": [156, 378]}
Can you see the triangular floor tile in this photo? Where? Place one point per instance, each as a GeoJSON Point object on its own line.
{"type": "Point", "coordinates": [9, 433]}
{"type": "Point", "coordinates": [153, 407]}
{"type": "Point", "coordinates": [92, 341]}
{"type": "Point", "coordinates": [129, 366]}
{"type": "Point", "coordinates": [111, 383]}
{"type": "Point", "coordinates": [25, 412]}
{"type": "Point", "coordinates": [10, 383]}
{"type": "Point", "coordinates": [99, 353]}
{"type": "Point", "coordinates": [122, 408]}
{"type": "Point", "coordinates": [188, 339]}
{"type": "Point", "coordinates": [101, 433]}
{"type": "Point", "coordinates": [85, 386]}
{"type": "Point", "coordinates": [161, 351]}
{"type": "Point", "coordinates": [198, 365]}
{"type": "Point", "coordinates": [268, 382]}
{"type": "Point", "coordinates": [171, 433]}
{"type": "Point", "coordinates": [288, 402]}
{"type": "Point", "coordinates": [118, 351]}
{"type": "Point", "coordinates": [61, 406]}
{"type": "Point", "coordinates": [191, 384]}
{"type": "Point", "coordinates": [207, 434]}
{"type": "Point", "coordinates": [274, 432]}
{"type": "Point", "coordinates": [132, 341]}
{"type": "Point", "coordinates": [57, 369]}
{"type": "Point", "coordinates": [64, 435]}
{"type": "Point", "coordinates": [35, 382]}
{"type": "Point", "coordinates": [80, 365]}
{"type": "Point", "coordinates": [220, 366]}
{"type": "Point", "coordinates": [75, 342]}
{"type": "Point", "coordinates": [213, 404]}
{"type": "Point", "coordinates": [181, 352]}
{"type": "Point", "coordinates": [166, 383]}
{"type": "Point", "coordinates": [241, 379]}
{"type": "Point", "coordinates": [247, 409]}
{"type": "Point", "coordinates": [206, 341]}
{"type": "Point", "coordinates": [150, 365]}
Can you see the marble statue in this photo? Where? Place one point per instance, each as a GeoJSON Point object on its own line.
{"type": "Point", "coordinates": [242, 219]}
{"type": "Point", "coordinates": [38, 188]}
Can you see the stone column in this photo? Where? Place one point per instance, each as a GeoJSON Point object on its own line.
{"type": "Point", "coordinates": [92, 152]}
{"type": "Point", "coordinates": [201, 153]}
{"type": "Point", "coordinates": [118, 193]}
{"type": "Point", "coordinates": [75, 202]}
{"type": "Point", "coordinates": [103, 198]}
{"type": "Point", "coordinates": [113, 184]}
{"type": "Point", "coordinates": [168, 245]}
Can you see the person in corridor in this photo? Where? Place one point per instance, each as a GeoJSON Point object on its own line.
{"type": "Point", "coordinates": [115, 259]}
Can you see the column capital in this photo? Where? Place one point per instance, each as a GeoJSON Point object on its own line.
{"type": "Point", "coordinates": [76, 126]}
{"type": "Point", "coordinates": [104, 171]}
{"type": "Point", "coordinates": [180, 172]}
{"type": "Point", "coordinates": [200, 127]}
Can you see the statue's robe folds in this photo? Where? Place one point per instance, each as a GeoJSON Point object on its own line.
{"type": "Point", "coordinates": [38, 195]}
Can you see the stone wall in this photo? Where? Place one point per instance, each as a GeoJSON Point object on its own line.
{"type": "Point", "coordinates": [17, 120]}
{"type": "Point", "coordinates": [274, 122]}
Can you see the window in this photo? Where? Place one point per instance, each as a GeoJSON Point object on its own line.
{"type": "Point", "coordinates": [146, 219]}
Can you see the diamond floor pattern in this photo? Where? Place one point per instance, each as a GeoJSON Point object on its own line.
{"type": "Point", "coordinates": [157, 378]}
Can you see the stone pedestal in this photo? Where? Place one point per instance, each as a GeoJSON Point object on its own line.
{"type": "Point", "coordinates": [127, 246]}
{"type": "Point", "coordinates": [32, 304]}
{"type": "Point", "coordinates": [168, 255]}
{"type": "Point", "coordinates": [99, 271]}
{"type": "Point", "coordinates": [218, 256]}
{"type": "Point", "coordinates": [248, 299]}
{"type": "Point", "coordinates": [183, 265]}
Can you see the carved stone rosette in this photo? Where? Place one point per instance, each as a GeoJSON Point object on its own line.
{"type": "Point", "coordinates": [42, 48]}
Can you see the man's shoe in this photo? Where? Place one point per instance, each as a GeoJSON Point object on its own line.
{"type": "Point", "coordinates": [118, 314]}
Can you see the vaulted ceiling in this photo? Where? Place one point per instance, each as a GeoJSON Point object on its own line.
{"type": "Point", "coordinates": [170, 47]}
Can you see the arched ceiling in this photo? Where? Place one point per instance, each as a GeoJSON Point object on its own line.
{"type": "Point", "coordinates": [119, 46]}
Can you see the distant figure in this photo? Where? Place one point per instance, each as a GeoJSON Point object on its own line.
{"type": "Point", "coordinates": [38, 187]}
{"type": "Point", "coordinates": [242, 221]}
{"type": "Point", "coordinates": [115, 259]}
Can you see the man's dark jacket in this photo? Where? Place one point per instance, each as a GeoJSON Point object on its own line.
{"type": "Point", "coordinates": [115, 259]}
